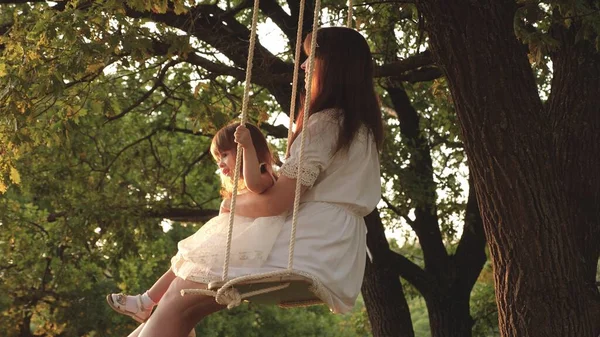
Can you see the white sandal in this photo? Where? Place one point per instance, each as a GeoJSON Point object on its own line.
{"type": "Point", "coordinates": [118, 303]}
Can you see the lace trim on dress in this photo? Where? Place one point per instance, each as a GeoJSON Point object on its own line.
{"type": "Point", "coordinates": [308, 175]}
{"type": "Point", "coordinates": [204, 269]}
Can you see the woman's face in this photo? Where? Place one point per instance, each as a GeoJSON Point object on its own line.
{"type": "Point", "coordinates": [314, 82]}
{"type": "Point", "coordinates": [304, 66]}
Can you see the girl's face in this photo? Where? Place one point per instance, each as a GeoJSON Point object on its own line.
{"type": "Point", "coordinates": [226, 162]}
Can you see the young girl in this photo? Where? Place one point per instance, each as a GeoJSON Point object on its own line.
{"type": "Point", "coordinates": [340, 185]}
{"type": "Point", "coordinates": [200, 256]}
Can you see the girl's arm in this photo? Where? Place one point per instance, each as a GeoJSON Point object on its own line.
{"type": "Point", "coordinates": [274, 201]}
{"type": "Point", "coordinates": [256, 181]}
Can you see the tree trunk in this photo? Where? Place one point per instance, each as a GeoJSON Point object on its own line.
{"type": "Point", "coordinates": [449, 316]}
{"type": "Point", "coordinates": [26, 326]}
{"type": "Point", "coordinates": [382, 291]}
{"type": "Point", "coordinates": [535, 165]}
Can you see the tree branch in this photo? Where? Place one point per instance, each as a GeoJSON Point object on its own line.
{"type": "Point", "coordinates": [285, 22]}
{"type": "Point", "coordinates": [17, 2]}
{"type": "Point", "coordinates": [158, 82]}
{"type": "Point", "coordinates": [187, 170]}
{"type": "Point", "coordinates": [210, 24]}
{"type": "Point", "coordinates": [426, 224]}
{"type": "Point", "coordinates": [470, 253]}
{"type": "Point", "coordinates": [107, 168]}
{"type": "Point", "coordinates": [40, 228]}
{"type": "Point", "coordinates": [5, 28]}
{"type": "Point", "coordinates": [277, 82]}
{"type": "Point", "coordinates": [397, 211]}
{"type": "Point", "coordinates": [245, 4]}
{"type": "Point", "coordinates": [410, 63]}
{"type": "Point", "coordinates": [275, 131]}
{"type": "Point", "coordinates": [52, 217]}
{"type": "Point", "coordinates": [385, 2]}
{"type": "Point", "coordinates": [184, 214]}
{"type": "Point", "coordinates": [382, 254]}
{"type": "Point", "coordinates": [424, 74]}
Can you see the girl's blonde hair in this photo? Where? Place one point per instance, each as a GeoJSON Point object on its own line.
{"type": "Point", "coordinates": [224, 140]}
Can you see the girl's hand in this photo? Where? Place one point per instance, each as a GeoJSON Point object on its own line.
{"type": "Point", "coordinates": [225, 206]}
{"type": "Point", "coordinates": [242, 136]}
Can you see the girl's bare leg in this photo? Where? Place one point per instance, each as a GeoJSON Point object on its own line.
{"type": "Point", "coordinates": [159, 288]}
{"type": "Point", "coordinates": [176, 315]}
{"type": "Point", "coordinates": [140, 306]}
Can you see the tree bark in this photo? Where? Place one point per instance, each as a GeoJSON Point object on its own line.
{"type": "Point", "coordinates": [382, 291]}
{"type": "Point", "coordinates": [449, 316]}
{"type": "Point", "coordinates": [535, 165]}
{"type": "Point", "coordinates": [25, 330]}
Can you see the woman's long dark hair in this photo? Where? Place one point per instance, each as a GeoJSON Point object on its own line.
{"type": "Point", "coordinates": [343, 79]}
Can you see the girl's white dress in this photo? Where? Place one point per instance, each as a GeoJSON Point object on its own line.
{"type": "Point", "coordinates": [331, 233]}
{"type": "Point", "coordinates": [200, 257]}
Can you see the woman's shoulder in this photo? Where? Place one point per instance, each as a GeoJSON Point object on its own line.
{"type": "Point", "coordinates": [330, 113]}
{"type": "Point", "coordinates": [324, 117]}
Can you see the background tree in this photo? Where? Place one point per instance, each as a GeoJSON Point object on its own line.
{"type": "Point", "coordinates": [533, 159]}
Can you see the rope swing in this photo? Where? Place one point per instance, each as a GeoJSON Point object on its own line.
{"type": "Point", "coordinates": [288, 287]}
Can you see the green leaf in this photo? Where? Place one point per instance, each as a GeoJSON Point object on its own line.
{"type": "Point", "coordinates": [15, 177]}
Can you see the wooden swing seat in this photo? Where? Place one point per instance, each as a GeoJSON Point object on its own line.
{"type": "Point", "coordinates": [297, 294]}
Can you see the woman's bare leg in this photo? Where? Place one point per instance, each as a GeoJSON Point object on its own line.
{"type": "Point", "coordinates": [137, 331]}
{"type": "Point", "coordinates": [140, 327]}
{"type": "Point", "coordinates": [159, 288]}
{"type": "Point", "coordinates": [176, 315]}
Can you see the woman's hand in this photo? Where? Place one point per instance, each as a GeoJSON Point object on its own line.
{"type": "Point", "coordinates": [242, 136]}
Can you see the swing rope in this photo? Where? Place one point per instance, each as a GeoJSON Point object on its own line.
{"type": "Point", "coordinates": [307, 97]}
{"type": "Point", "coordinates": [349, 24]}
{"type": "Point", "coordinates": [297, 66]}
{"type": "Point", "coordinates": [295, 76]}
{"type": "Point", "coordinates": [226, 294]}
{"type": "Point", "coordinates": [244, 118]}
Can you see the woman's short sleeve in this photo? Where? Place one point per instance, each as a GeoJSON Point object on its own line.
{"type": "Point", "coordinates": [319, 144]}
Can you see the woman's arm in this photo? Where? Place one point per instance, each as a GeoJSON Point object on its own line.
{"type": "Point", "coordinates": [274, 201]}
{"type": "Point", "coordinates": [321, 138]}
{"type": "Point", "coordinates": [224, 208]}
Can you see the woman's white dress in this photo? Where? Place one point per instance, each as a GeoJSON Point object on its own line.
{"type": "Point", "coordinates": [331, 233]}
